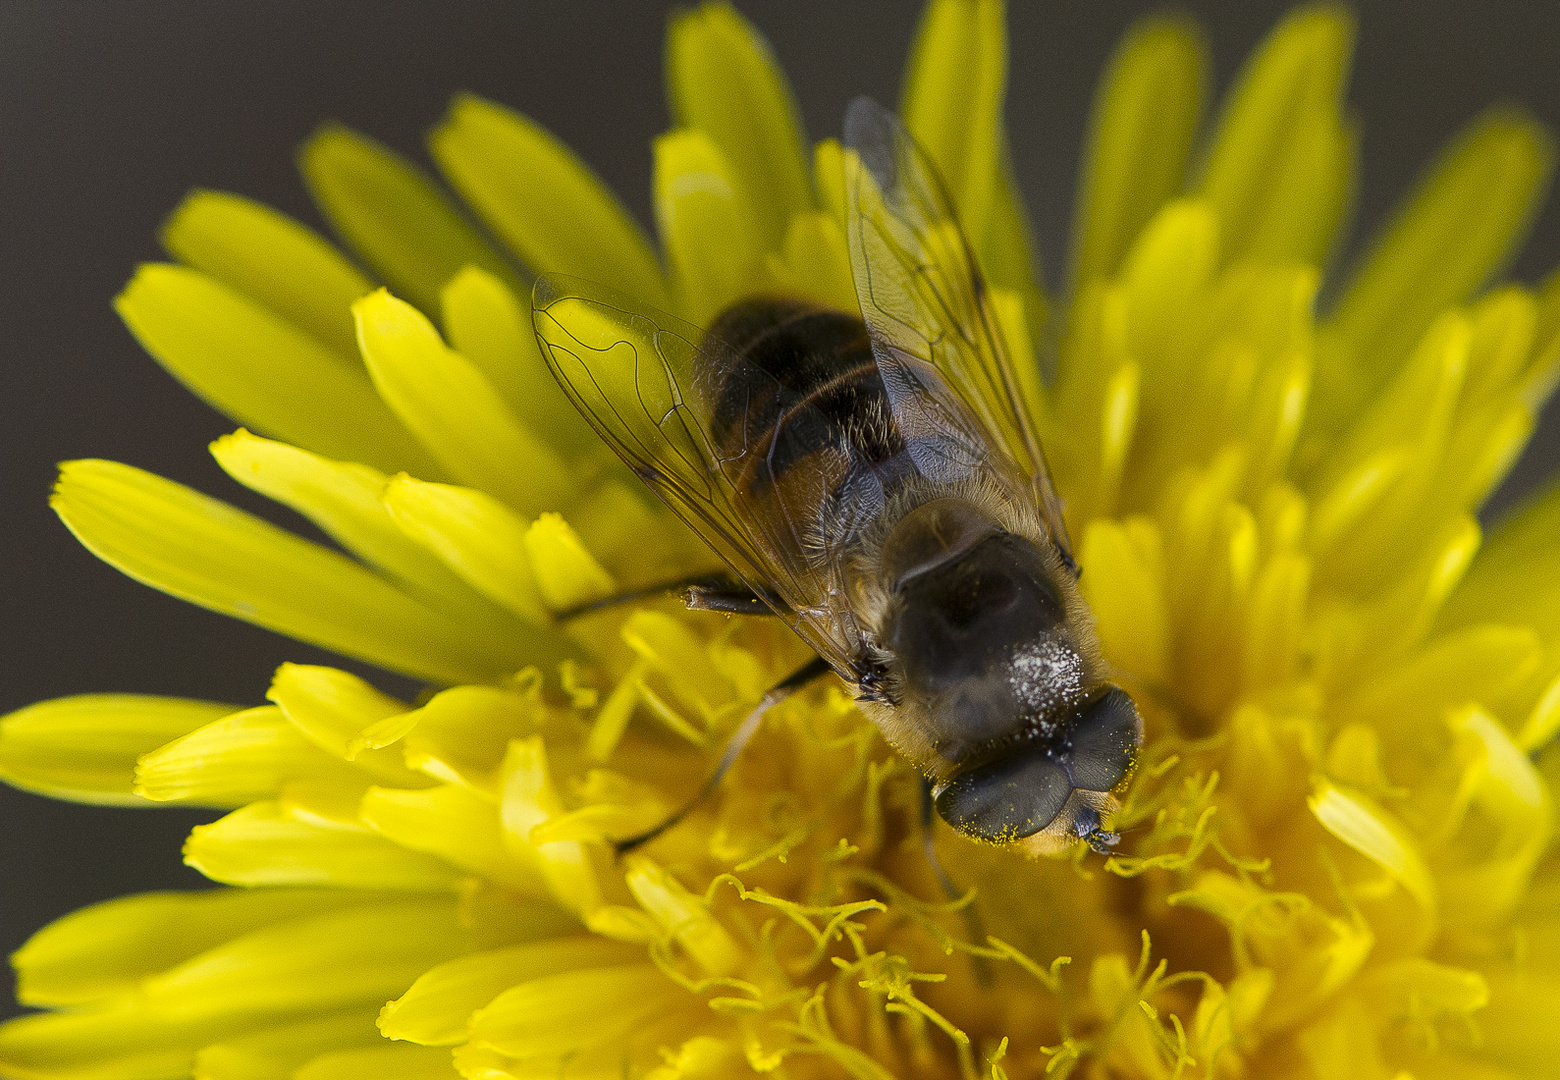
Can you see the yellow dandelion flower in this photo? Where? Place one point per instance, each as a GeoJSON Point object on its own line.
{"type": "Point", "coordinates": [1336, 855]}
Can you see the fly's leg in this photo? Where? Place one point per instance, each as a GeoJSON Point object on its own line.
{"type": "Point", "coordinates": [974, 925]}
{"type": "Point", "coordinates": [706, 592]}
{"type": "Point", "coordinates": [813, 669]}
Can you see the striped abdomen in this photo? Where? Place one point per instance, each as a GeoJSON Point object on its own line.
{"type": "Point", "coordinates": [799, 412]}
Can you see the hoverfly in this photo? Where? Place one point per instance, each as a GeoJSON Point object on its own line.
{"type": "Point", "coordinates": [875, 480]}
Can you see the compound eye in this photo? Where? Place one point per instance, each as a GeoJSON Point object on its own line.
{"type": "Point", "coordinates": [1104, 741]}
{"type": "Point", "coordinates": [1007, 799]}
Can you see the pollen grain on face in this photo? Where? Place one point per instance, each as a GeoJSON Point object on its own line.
{"type": "Point", "coordinates": [1335, 840]}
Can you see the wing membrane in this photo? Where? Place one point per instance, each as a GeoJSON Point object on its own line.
{"type": "Point", "coordinates": [642, 379]}
{"type": "Point", "coordinates": [925, 302]}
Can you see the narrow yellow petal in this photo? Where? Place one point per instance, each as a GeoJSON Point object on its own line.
{"type": "Point", "coordinates": [380, 1063]}
{"type": "Point", "coordinates": [240, 759]}
{"type": "Point", "coordinates": [453, 409]}
{"type": "Point", "coordinates": [566, 574]}
{"type": "Point", "coordinates": [686, 918]}
{"type": "Point", "coordinates": [478, 537]}
{"type": "Point", "coordinates": [542, 200]}
{"type": "Point", "coordinates": [272, 259]}
{"type": "Point", "coordinates": [1145, 114]}
{"type": "Point", "coordinates": [1513, 577]}
{"type": "Point", "coordinates": [1125, 589]}
{"type": "Point", "coordinates": [951, 100]}
{"type": "Point", "coordinates": [113, 1044]}
{"type": "Point", "coordinates": [206, 552]}
{"type": "Point", "coordinates": [110, 947]}
{"type": "Point", "coordinates": [1456, 230]}
{"type": "Point", "coordinates": [312, 963]}
{"type": "Point", "coordinates": [1008, 257]}
{"type": "Point", "coordinates": [1279, 172]}
{"type": "Point", "coordinates": [708, 224]}
{"type": "Point", "coordinates": [529, 799]}
{"type": "Point", "coordinates": [437, 1010]}
{"type": "Point", "coordinates": [84, 748]}
{"type": "Point", "coordinates": [344, 500]}
{"type": "Point", "coordinates": [557, 1014]}
{"type": "Point", "coordinates": [723, 80]}
{"type": "Point", "coordinates": [1417, 406]}
{"type": "Point", "coordinates": [491, 327]}
{"type": "Point", "coordinates": [393, 216]}
{"type": "Point", "coordinates": [264, 372]}
{"type": "Point", "coordinates": [336, 711]}
{"type": "Point", "coordinates": [1373, 832]}
{"type": "Point", "coordinates": [1477, 663]}
{"type": "Point", "coordinates": [1168, 265]}
{"type": "Point", "coordinates": [814, 261]}
{"type": "Point", "coordinates": [461, 734]}
{"type": "Point", "coordinates": [671, 648]}
{"type": "Point", "coordinates": [273, 1051]}
{"type": "Point", "coordinates": [264, 844]}
{"type": "Point", "coordinates": [457, 826]}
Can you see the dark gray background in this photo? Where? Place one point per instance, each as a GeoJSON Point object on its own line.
{"type": "Point", "coordinates": [109, 112]}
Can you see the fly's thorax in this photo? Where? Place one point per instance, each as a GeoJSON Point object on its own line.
{"type": "Point", "coordinates": [983, 631]}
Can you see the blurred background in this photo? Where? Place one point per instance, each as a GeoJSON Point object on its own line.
{"type": "Point", "coordinates": [110, 112]}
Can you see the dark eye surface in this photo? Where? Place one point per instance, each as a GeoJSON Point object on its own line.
{"type": "Point", "coordinates": [1104, 741]}
{"type": "Point", "coordinates": [1008, 799]}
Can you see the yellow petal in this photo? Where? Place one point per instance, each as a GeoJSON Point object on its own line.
{"type": "Point", "coordinates": [684, 917]}
{"type": "Point", "coordinates": [708, 224]}
{"type": "Point", "coordinates": [437, 1010]}
{"type": "Point", "coordinates": [1008, 258]}
{"type": "Point", "coordinates": [343, 499]}
{"type": "Point", "coordinates": [84, 748]}
{"type": "Point", "coordinates": [1456, 230]}
{"type": "Point", "coordinates": [110, 947]}
{"type": "Point", "coordinates": [380, 1063]}
{"type": "Point", "coordinates": [488, 325]}
{"type": "Point", "coordinates": [951, 100]}
{"type": "Point", "coordinates": [671, 649]}
{"type": "Point", "coordinates": [358, 953]}
{"type": "Point", "coordinates": [1124, 585]}
{"type": "Point", "coordinates": [1367, 828]}
{"type": "Point", "coordinates": [723, 81]}
{"type": "Point", "coordinates": [455, 825]}
{"type": "Point", "coordinates": [530, 799]}
{"type": "Point", "coordinates": [453, 409]}
{"type": "Point", "coordinates": [272, 259]}
{"type": "Point", "coordinates": [263, 371]}
{"type": "Point", "coordinates": [239, 759]}
{"type": "Point", "coordinates": [1513, 577]}
{"type": "Point", "coordinates": [477, 537]}
{"type": "Point", "coordinates": [392, 215]}
{"type": "Point", "coordinates": [211, 554]}
{"type": "Point", "coordinates": [462, 734]}
{"type": "Point", "coordinates": [1476, 663]}
{"type": "Point", "coordinates": [1145, 114]}
{"type": "Point", "coordinates": [116, 1044]}
{"type": "Point", "coordinates": [542, 200]}
{"type": "Point", "coordinates": [273, 1051]}
{"type": "Point", "coordinates": [1279, 172]}
{"type": "Point", "coordinates": [264, 844]}
{"type": "Point", "coordinates": [566, 574]}
{"type": "Point", "coordinates": [814, 261]}
{"type": "Point", "coordinates": [336, 710]}
{"type": "Point", "coordinates": [557, 1014]}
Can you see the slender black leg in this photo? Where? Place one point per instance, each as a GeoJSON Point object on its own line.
{"type": "Point", "coordinates": [974, 925]}
{"type": "Point", "coordinates": [813, 669]}
{"type": "Point", "coordinates": [706, 592]}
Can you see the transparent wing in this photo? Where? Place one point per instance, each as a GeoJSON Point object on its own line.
{"type": "Point", "coordinates": [644, 380]}
{"type": "Point", "coordinates": [925, 302]}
